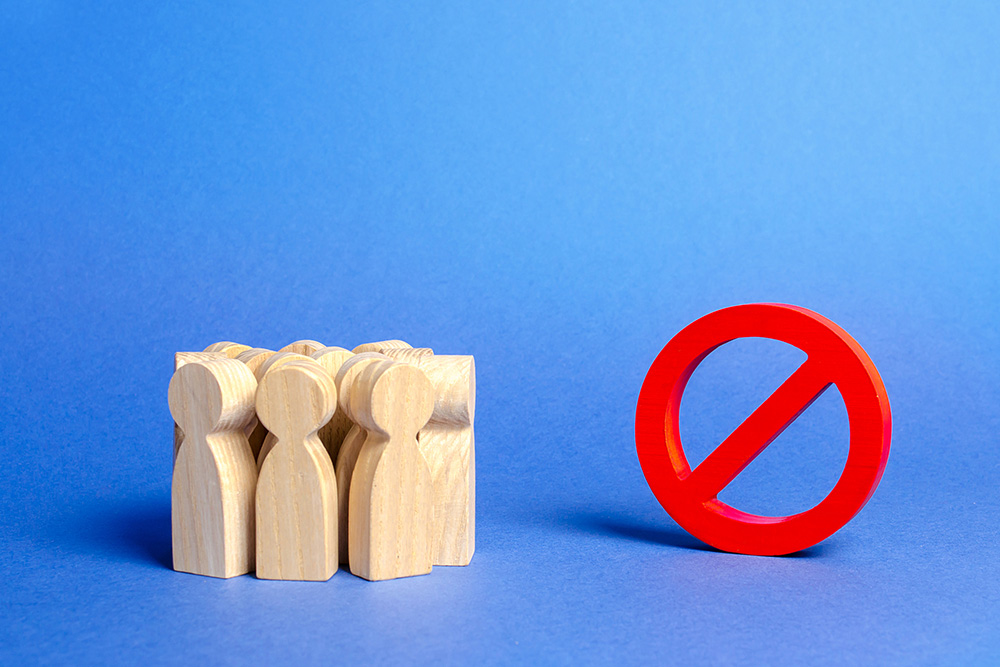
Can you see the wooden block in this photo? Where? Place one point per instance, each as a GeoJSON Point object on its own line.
{"type": "Point", "coordinates": [274, 361]}
{"type": "Point", "coordinates": [180, 359]}
{"type": "Point", "coordinates": [381, 345]}
{"type": "Point", "coordinates": [392, 497]}
{"type": "Point", "coordinates": [347, 457]}
{"type": "Point", "coordinates": [297, 491]}
{"type": "Point", "coordinates": [255, 431]}
{"type": "Point", "coordinates": [231, 350]}
{"type": "Point", "coordinates": [211, 496]}
{"type": "Point", "coordinates": [332, 434]}
{"type": "Point", "coordinates": [448, 444]}
{"type": "Point", "coordinates": [303, 347]}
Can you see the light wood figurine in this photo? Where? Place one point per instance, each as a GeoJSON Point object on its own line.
{"type": "Point", "coordinates": [297, 489]}
{"type": "Point", "coordinates": [224, 350]}
{"type": "Point", "coordinates": [228, 349]}
{"type": "Point", "coordinates": [271, 363]}
{"type": "Point", "coordinates": [392, 495]}
{"type": "Point", "coordinates": [180, 359]}
{"type": "Point", "coordinates": [379, 346]}
{"type": "Point", "coordinates": [303, 347]}
{"type": "Point", "coordinates": [255, 431]}
{"type": "Point", "coordinates": [334, 431]}
{"type": "Point", "coordinates": [347, 457]}
{"type": "Point", "coordinates": [448, 444]}
{"type": "Point", "coordinates": [212, 493]}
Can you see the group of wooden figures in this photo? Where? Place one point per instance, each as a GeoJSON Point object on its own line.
{"type": "Point", "coordinates": [291, 463]}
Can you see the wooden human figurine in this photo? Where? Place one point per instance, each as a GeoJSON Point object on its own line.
{"type": "Point", "coordinates": [255, 431]}
{"type": "Point", "coordinates": [212, 493]}
{"type": "Point", "coordinates": [255, 357]}
{"type": "Point", "coordinates": [392, 496]}
{"type": "Point", "coordinates": [332, 433]}
{"type": "Point", "coordinates": [448, 444]}
{"type": "Point", "coordinates": [272, 362]}
{"type": "Point", "coordinates": [224, 349]}
{"type": "Point", "coordinates": [347, 457]}
{"type": "Point", "coordinates": [276, 360]}
{"type": "Point", "coordinates": [180, 359]}
{"type": "Point", "coordinates": [379, 346]}
{"type": "Point", "coordinates": [228, 349]}
{"type": "Point", "coordinates": [303, 347]}
{"type": "Point", "coordinates": [297, 489]}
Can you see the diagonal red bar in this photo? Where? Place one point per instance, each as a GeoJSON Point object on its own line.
{"type": "Point", "coordinates": [757, 431]}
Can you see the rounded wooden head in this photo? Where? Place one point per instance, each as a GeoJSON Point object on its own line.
{"type": "Point", "coordinates": [227, 348]}
{"type": "Point", "coordinates": [454, 380]}
{"type": "Point", "coordinates": [184, 358]}
{"type": "Point", "coordinates": [296, 399]}
{"type": "Point", "coordinates": [348, 374]}
{"type": "Point", "coordinates": [276, 360]}
{"type": "Point", "coordinates": [331, 358]}
{"type": "Point", "coordinates": [304, 347]}
{"type": "Point", "coordinates": [211, 395]}
{"type": "Point", "coordinates": [453, 377]}
{"type": "Point", "coordinates": [393, 398]}
{"type": "Point", "coordinates": [254, 357]}
{"type": "Point", "coordinates": [379, 346]}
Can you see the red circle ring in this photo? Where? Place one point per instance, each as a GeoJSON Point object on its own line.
{"type": "Point", "coordinates": [691, 497]}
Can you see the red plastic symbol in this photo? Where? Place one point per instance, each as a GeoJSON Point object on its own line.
{"type": "Point", "coordinates": [691, 496]}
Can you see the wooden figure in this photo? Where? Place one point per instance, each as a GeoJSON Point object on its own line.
{"type": "Point", "coordinates": [333, 432]}
{"type": "Point", "coordinates": [230, 350]}
{"type": "Point", "coordinates": [448, 444]}
{"type": "Point", "coordinates": [255, 357]}
{"type": "Point", "coordinates": [347, 457]}
{"type": "Point", "coordinates": [255, 431]}
{"type": "Point", "coordinates": [297, 490]}
{"type": "Point", "coordinates": [180, 359]}
{"type": "Point", "coordinates": [212, 493]}
{"type": "Point", "coordinates": [303, 347]}
{"type": "Point", "coordinates": [378, 346]}
{"type": "Point", "coordinates": [392, 497]}
{"type": "Point", "coordinates": [272, 362]}
{"type": "Point", "coordinates": [276, 360]}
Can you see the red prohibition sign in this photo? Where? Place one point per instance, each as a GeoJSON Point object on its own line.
{"type": "Point", "coordinates": [691, 496]}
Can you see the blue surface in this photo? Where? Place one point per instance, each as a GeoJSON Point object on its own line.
{"type": "Point", "coordinates": [557, 191]}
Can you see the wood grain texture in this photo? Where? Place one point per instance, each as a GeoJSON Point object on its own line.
{"type": "Point", "coordinates": [214, 479]}
{"type": "Point", "coordinates": [180, 359]}
{"type": "Point", "coordinates": [379, 346]}
{"type": "Point", "coordinates": [274, 361]}
{"type": "Point", "coordinates": [297, 490]}
{"type": "Point", "coordinates": [347, 457]}
{"type": "Point", "coordinates": [332, 433]}
{"type": "Point", "coordinates": [303, 347]}
{"type": "Point", "coordinates": [408, 354]}
{"type": "Point", "coordinates": [448, 444]}
{"type": "Point", "coordinates": [392, 496]}
{"type": "Point", "coordinates": [229, 349]}
{"type": "Point", "coordinates": [255, 431]}
{"type": "Point", "coordinates": [255, 357]}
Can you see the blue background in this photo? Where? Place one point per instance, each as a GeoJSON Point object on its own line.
{"type": "Point", "coordinates": [556, 190]}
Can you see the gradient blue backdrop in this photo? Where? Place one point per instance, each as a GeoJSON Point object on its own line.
{"type": "Point", "coordinates": [556, 190]}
